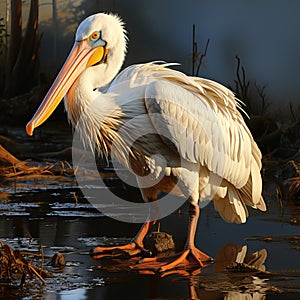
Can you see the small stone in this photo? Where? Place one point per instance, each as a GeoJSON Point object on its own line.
{"type": "Point", "coordinates": [158, 242]}
{"type": "Point", "coordinates": [58, 260]}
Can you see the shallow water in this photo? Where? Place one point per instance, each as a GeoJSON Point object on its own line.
{"type": "Point", "coordinates": [33, 214]}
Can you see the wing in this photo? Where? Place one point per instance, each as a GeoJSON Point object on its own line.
{"type": "Point", "coordinates": [200, 119]}
{"type": "Point", "coordinates": [215, 137]}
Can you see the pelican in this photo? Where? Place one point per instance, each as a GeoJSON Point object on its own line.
{"type": "Point", "coordinates": [208, 151]}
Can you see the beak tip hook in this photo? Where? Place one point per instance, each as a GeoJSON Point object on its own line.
{"type": "Point", "coordinates": [29, 128]}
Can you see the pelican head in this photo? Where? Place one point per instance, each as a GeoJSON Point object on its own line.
{"type": "Point", "coordinates": [96, 57]}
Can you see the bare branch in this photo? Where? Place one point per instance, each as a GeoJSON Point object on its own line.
{"type": "Point", "coordinates": [262, 94]}
{"type": "Point", "coordinates": [197, 57]}
{"type": "Point", "coordinates": [202, 55]}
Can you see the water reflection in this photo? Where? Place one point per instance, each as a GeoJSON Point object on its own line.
{"type": "Point", "coordinates": [234, 256]}
{"type": "Point", "coordinates": [53, 218]}
{"type": "Point", "coordinates": [235, 274]}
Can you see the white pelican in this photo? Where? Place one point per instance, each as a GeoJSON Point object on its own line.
{"type": "Point", "coordinates": [222, 163]}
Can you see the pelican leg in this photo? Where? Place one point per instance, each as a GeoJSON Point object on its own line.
{"type": "Point", "coordinates": [135, 244]}
{"type": "Point", "coordinates": [190, 257]}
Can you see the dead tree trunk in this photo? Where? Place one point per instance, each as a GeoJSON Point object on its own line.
{"type": "Point", "coordinates": [21, 70]}
{"type": "Point", "coordinates": [14, 41]}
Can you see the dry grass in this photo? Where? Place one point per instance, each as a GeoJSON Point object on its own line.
{"type": "Point", "coordinates": [12, 168]}
{"type": "Point", "coordinates": [15, 265]}
{"type": "Point", "coordinates": [294, 189]}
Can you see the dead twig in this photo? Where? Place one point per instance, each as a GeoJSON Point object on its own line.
{"type": "Point", "coordinates": [13, 264]}
{"type": "Point", "coordinates": [294, 189]}
{"type": "Point", "coordinates": [201, 57]}
{"type": "Point", "coordinates": [262, 94]}
{"type": "Point", "coordinates": [197, 57]}
{"type": "Point", "coordinates": [242, 91]}
{"type": "Point", "coordinates": [242, 85]}
{"type": "Point", "coordinates": [12, 168]}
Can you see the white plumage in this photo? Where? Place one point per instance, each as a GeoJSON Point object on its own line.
{"type": "Point", "coordinates": [201, 144]}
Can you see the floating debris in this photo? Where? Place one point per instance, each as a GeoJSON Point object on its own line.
{"type": "Point", "coordinates": [293, 240]}
{"type": "Point", "coordinates": [14, 169]}
{"type": "Point", "coordinates": [244, 267]}
{"type": "Point", "coordinates": [14, 266]}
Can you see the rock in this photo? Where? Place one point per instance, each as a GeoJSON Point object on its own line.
{"type": "Point", "coordinates": [158, 242]}
{"type": "Point", "coordinates": [58, 260]}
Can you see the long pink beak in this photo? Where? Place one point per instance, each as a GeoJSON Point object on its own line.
{"type": "Point", "coordinates": [81, 57]}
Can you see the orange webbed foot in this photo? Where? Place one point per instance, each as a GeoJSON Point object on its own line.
{"type": "Point", "coordinates": [190, 258]}
{"type": "Point", "coordinates": [131, 249]}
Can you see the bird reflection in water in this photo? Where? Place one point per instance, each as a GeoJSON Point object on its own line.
{"type": "Point", "coordinates": [236, 275]}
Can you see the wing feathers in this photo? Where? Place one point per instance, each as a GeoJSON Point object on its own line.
{"type": "Point", "coordinates": [200, 119]}
{"type": "Point", "coordinates": [199, 132]}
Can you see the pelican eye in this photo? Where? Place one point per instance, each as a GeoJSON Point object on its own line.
{"type": "Point", "coordinates": [94, 36]}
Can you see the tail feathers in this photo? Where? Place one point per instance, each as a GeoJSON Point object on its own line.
{"type": "Point", "coordinates": [261, 205]}
{"type": "Point", "coordinates": [256, 182]}
{"type": "Point", "coordinates": [231, 208]}
{"type": "Point", "coordinates": [251, 191]}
